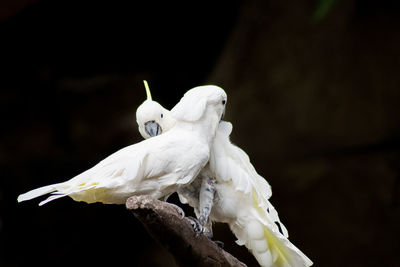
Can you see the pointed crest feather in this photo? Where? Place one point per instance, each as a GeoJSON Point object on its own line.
{"type": "Point", "coordinates": [146, 86]}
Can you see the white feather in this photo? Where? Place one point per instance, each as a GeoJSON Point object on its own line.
{"type": "Point", "coordinates": [36, 193]}
{"type": "Point", "coordinates": [242, 201]}
{"type": "Point", "coordinates": [242, 173]}
{"type": "Point", "coordinates": [156, 166]}
{"type": "Point", "coordinates": [196, 103]}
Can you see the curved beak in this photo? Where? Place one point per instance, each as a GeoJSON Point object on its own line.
{"type": "Point", "coordinates": [152, 128]}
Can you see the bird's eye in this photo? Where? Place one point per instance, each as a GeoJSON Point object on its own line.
{"type": "Point", "coordinates": [223, 102]}
{"type": "Point", "coordinates": [162, 115]}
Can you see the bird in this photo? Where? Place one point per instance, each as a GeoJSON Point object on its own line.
{"type": "Point", "coordinates": [229, 190]}
{"type": "Point", "coordinates": [156, 166]}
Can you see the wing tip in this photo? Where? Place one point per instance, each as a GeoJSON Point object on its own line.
{"type": "Point", "coordinates": [21, 198]}
{"type": "Point", "coordinates": [36, 193]}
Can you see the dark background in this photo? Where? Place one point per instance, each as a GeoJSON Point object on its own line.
{"type": "Point", "coordinates": [313, 89]}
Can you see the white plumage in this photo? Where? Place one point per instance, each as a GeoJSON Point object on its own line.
{"type": "Point", "coordinates": [157, 166]}
{"type": "Point", "coordinates": [241, 198]}
{"type": "Point", "coordinates": [242, 202]}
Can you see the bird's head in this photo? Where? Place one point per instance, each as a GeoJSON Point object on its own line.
{"type": "Point", "coordinates": [152, 118]}
{"type": "Point", "coordinates": [195, 103]}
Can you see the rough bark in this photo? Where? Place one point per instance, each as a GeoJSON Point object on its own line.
{"type": "Point", "coordinates": [176, 234]}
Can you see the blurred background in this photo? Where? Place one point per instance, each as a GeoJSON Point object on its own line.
{"type": "Point", "coordinates": [313, 94]}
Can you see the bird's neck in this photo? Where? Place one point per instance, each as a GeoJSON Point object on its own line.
{"type": "Point", "coordinates": [206, 127]}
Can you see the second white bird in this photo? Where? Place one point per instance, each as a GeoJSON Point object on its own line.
{"type": "Point", "coordinates": [229, 190]}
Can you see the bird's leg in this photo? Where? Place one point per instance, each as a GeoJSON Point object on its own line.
{"type": "Point", "coordinates": [200, 195]}
{"type": "Point", "coordinates": [206, 200]}
{"type": "Point", "coordinates": [208, 232]}
{"type": "Point", "coordinates": [207, 229]}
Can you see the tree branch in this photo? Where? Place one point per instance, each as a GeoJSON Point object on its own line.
{"type": "Point", "coordinates": [164, 223]}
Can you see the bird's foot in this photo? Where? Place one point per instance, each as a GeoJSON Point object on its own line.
{"type": "Point", "coordinates": [198, 229]}
{"type": "Point", "coordinates": [178, 209]}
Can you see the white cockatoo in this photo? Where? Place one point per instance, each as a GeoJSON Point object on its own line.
{"type": "Point", "coordinates": [229, 190]}
{"type": "Point", "coordinates": [158, 166]}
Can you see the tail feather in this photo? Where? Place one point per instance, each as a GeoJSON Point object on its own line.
{"type": "Point", "coordinates": [287, 254]}
{"type": "Point", "coordinates": [36, 193]}
{"type": "Point", "coordinates": [269, 247]}
{"type": "Point", "coordinates": [51, 198]}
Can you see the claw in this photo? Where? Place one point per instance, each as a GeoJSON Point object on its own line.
{"type": "Point", "coordinates": [198, 229]}
{"type": "Point", "coordinates": [178, 209]}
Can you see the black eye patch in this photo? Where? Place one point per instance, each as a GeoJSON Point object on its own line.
{"type": "Point", "coordinates": [162, 115]}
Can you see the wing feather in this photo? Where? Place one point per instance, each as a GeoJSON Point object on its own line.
{"type": "Point", "coordinates": [230, 163]}
{"type": "Point", "coordinates": [131, 170]}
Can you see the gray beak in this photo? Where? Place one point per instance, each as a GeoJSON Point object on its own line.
{"type": "Point", "coordinates": [152, 128]}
